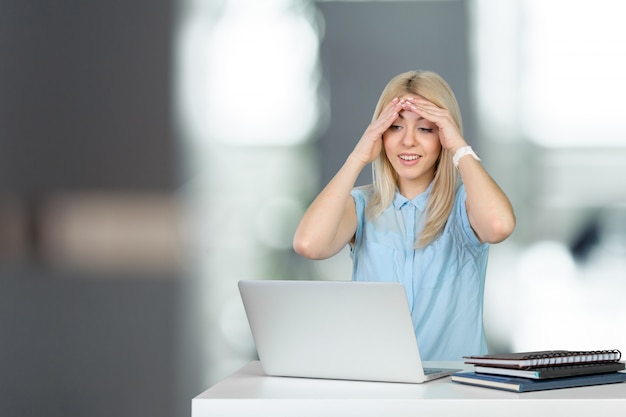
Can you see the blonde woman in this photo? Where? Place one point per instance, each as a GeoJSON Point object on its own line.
{"type": "Point", "coordinates": [427, 219]}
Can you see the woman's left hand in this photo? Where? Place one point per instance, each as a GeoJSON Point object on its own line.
{"type": "Point", "coordinates": [449, 134]}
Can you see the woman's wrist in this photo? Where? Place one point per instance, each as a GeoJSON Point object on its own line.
{"type": "Point", "coordinates": [461, 152]}
{"type": "Point", "coordinates": [355, 161]}
{"type": "Point", "coordinates": [453, 149]}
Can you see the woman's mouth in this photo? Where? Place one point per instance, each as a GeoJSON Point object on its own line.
{"type": "Point", "coordinates": [409, 158]}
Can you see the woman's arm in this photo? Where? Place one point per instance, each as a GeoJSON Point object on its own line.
{"type": "Point", "coordinates": [330, 221]}
{"type": "Point", "coordinates": [489, 210]}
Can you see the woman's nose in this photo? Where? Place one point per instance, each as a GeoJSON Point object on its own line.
{"type": "Point", "coordinates": [409, 138]}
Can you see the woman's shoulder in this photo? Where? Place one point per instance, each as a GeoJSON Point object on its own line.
{"type": "Point", "coordinates": [364, 191]}
{"type": "Point", "coordinates": [460, 194]}
{"type": "Point", "coordinates": [362, 196]}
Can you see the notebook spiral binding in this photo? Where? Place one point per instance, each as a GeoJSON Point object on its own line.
{"type": "Point", "coordinates": [609, 355]}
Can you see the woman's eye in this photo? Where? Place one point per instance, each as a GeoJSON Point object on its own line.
{"type": "Point", "coordinates": [395, 127]}
{"type": "Point", "coordinates": [425, 130]}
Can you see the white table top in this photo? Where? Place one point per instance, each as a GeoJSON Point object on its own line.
{"type": "Point", "coordinates": [250, 391]}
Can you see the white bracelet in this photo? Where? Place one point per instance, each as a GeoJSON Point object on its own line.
{"type": "Point", "coordinates": [461, 152]}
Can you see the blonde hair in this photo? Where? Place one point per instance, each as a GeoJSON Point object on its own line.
{"type": "Point", "coordinates": [432, 87]}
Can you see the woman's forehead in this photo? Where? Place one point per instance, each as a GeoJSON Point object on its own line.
{"type": "Point", "coordinates": [410, 95]}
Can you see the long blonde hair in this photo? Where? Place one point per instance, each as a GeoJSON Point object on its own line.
{"type": "Point", "coordinates": [432, 87]}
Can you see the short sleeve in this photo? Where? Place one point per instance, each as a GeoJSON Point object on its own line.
{"type": "Point", "coordinates": [359, 202]}
{"type": "Point", "coordinates": [463, 219]}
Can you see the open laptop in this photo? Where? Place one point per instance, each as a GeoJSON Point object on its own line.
{"type": "Point", "coordinates": [335, 329]}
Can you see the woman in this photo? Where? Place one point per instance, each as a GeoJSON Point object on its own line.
{"type": "Point", "coordinates": [418, 223]}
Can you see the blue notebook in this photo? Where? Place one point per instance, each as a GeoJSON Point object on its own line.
{"type": "Point", "coordinates": [516, 384]}
{"type": "Point", "coordinates": [560, 371]}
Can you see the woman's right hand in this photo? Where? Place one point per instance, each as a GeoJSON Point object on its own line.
{"type": "Point", "coordinates": [330, 222]}
{"type": "Point", "coordinates": [369, 146]}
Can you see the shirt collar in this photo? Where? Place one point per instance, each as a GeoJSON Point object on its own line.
{"type": "Point", "coordinates": [419, 201]}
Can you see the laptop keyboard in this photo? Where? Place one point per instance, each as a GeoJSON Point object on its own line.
{"type": "Point", "coordinates": [430, 371]}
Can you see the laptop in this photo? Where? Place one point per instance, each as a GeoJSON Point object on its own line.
{"type": "Point", "coordinates": [334, 330]}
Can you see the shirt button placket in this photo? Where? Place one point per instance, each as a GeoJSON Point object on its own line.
{"type": "Point", "coordinates": [409, 224]}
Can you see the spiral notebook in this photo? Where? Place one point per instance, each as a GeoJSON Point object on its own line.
{"type": "Point", "coordinates": [545, 358]}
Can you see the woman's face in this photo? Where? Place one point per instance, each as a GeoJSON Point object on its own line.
{"type": "Point", "coordinates": [412, 146]}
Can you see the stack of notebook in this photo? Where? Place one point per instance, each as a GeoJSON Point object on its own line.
{"type": "Point", "coordinates": [542, 370]}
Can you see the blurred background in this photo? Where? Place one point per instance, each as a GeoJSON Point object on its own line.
{"type": "Point", "coordinates": [153, 153]}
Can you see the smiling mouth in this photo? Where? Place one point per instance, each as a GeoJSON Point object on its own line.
{"type": "Point", "coordinates": [409, 157]}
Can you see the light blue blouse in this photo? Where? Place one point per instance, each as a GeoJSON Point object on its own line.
{"type": "Point", "coordinates": [444, 281]}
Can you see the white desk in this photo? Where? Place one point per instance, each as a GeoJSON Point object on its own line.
{"type": "Point", "coordinates": [249, 392]}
